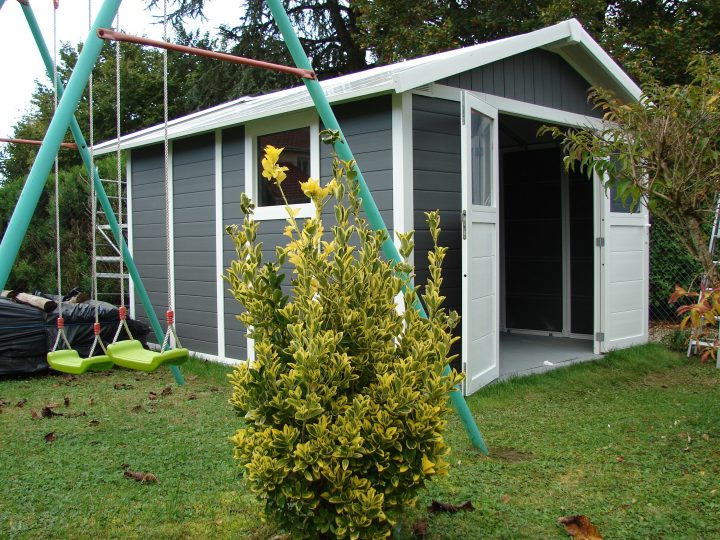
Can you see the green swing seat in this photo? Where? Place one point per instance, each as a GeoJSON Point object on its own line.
{"type": "Point", "coordinates": [131, 355]}
{"type": "Point", "coordinates": [69, 361]}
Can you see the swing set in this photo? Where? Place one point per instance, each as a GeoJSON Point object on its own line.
{"type": "Point", "coordinates": [130, 353]}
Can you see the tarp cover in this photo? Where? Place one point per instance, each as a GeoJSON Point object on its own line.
{"type": "Point", "coordinates": [27, 334]}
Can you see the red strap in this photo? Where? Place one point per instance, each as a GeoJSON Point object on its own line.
{"type": "Point", "coordinates": [123, 313]}
{"type": "Point", "coordinates": [170, 316]}
{"type": "Point", "coordinates": [96, 328]}
{"type": "Point", "coordinates": [60, 323]}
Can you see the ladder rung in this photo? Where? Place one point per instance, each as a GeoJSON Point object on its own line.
{"type": "Point", "coordinates": [111, 275]}
{"type": "Point", "coordinates": [105, 258]}
{"type": "Point", "coordinates": [106, 227]}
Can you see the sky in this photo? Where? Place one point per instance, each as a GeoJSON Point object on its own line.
{"type": "Point", "coordinates": [20, 62]}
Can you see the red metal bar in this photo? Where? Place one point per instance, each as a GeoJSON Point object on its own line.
{"type": "Point", "coordinates": [36, 143]}
{"type": "Point", "coordinates": [112, 35]}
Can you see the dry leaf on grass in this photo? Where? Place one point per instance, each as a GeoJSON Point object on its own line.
{"type": "Point", "coordinates": [91, 401]}
{"type": "Point", "coordinates": [76, 415]}
{"type": "Point", "coordinates": [191, 396]}
{"type": "Point", "coordinates": [122, 386]}
{"type": "Point", "coordinates": [437, 506]}
{"type": "Point", "coordinates": [166, 391]}
{"type": "Point", "coordinates": [47, 412]}
{"type": "Point", "coordinates": [21, 403]}
{"type": "Point", "coordinates": [141, 477]}
{"type": "Point", "coordinates": [50, 437]}
{"type": "Point", "coordinates": [420, 529]}
{"type": "Point", "coordinates": [580, 527]}
{"type": "Point", "coordinates": [152, 396]}
{"type": "Point", "coordinates": [66, 401]}
{"type": "Point", "coordinates": [94, 423]}
{"type": "Point", "coordinates": [34, 415]}
{"type": "Point", "coordinates": [136, 409]}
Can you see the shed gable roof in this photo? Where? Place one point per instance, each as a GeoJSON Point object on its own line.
{"type": "Point", "coordinates": [568, 39]}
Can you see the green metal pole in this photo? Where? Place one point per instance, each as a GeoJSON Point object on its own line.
{"type": "Point", "coordinates": [100, 189]}
{"type": "Point", "coordinates": [371, 210]}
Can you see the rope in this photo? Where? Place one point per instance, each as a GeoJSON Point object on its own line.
{"type": "Point", "coordinates": [119, 161]}
{"type": "Point", "coordinates": [60, 330]}
{"type": "Point", "coordinates": [168, 245]}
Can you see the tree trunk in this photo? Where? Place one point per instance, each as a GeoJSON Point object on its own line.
{"type": "Point", "coordinates": [699, 250]}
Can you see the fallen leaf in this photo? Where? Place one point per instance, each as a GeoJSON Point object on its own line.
{"type": "Point", "coordinates": [122, 386]}
{"type": "Point", "coordinates": [124, 465]}
{"type": "Point", "coordinates": [94, 442]}
{"type": "Point", "coordinates": [50, 437]}
{"type": "Point", "coordinates": [152, 396]}
{"type": "Point", "coordinates": [76, 415]}
{"type": "Point", "coordinates": [47, 412]}
{"type": "Point", "coordinates": [214, 389]}
{"type": "Point", "coordinates": [191, 378]}
{"type": "Point", "coordinates": [506, 499]}
{"type": "Point", "coordinates": [166, 391]}
{"type": "Point", "coordinates": [141, 477]}
{"type": "Point", "coordinates": [34, 415]}
{"type": "Point", "coordinates": [191, 396]}
{"type": "Point", "coordinates": [420, 529]}
{"type": "Point", "coordinates": [706, 436]}
{"type": "Point", "coordinates": [136, 408]}
{"type": "Point", "coordinates": [20, 404]}
{"type": "Point", "coordinates": [580, 527]}
{"type": "Point", "coordinates": [619, 459]}
{"type": "Point", "coordinates": [66, 401]}
{"type": "Point", "coordinates": [437, 506]}
{"type": "Point", "coordinates": [94, 423]}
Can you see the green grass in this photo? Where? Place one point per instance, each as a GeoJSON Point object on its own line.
{"type": "Point", "coordinates": [630, 441]}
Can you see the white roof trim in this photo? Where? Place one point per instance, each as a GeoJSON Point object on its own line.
{"type": "Point", "coordinates": [563, 38]}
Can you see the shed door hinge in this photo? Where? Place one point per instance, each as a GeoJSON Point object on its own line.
{"type": "Point", "coordinates": [600, 241]}
{"type": "Point", "coordinates": [600, 336]}
{"type": "Point", "coordinates": [463, 221]}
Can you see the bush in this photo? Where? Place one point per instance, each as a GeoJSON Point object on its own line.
{"type": "Point", "coordinates": [345, 402]}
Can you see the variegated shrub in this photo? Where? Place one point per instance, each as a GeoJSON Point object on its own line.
{"type": "Point", "coordinates": [345, 403]}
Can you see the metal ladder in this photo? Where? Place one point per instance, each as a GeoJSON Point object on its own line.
{"type": "Point", "coordinates": [695, 343]}
{"type": "Point", "coordinates": [107, 252]}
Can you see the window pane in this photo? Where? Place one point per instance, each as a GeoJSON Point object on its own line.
{"type": "Point", "coordinates": [296, 157]}
{"type": "Point", "coordinates": [482, 158]}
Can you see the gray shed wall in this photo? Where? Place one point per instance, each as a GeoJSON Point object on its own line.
{"type": "Point", "coordinates": [194, 222]}
{"type": "Point", "coordinates": [233, 178]}
{"type": "Point", "coordinates": [148, 218]}
{"type": "Point", "coordinates": [539, 77]}
{"type": "Point", "coordinates": [367, 125]}
{"type": "Point", "coordinates": [436, 186]}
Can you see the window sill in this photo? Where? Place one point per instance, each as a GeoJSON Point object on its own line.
{"type": "Point", "coordinates": [268, 213]}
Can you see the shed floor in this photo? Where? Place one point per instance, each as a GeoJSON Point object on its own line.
{"type": "Point", "coordinates": [523, 354]}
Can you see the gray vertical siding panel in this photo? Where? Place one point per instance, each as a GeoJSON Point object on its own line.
{"type": "Point", "coordinates": [194, 224]}
{"type": "Point", "coordinates": [148, 217]}
{"type": "Point", "coordinates": [367, 125]}
{"type": "Point", "coordinates": [436, 171]}
{"type": "Point", "coordinates": [233, 182]}
{"type": "Point", "coordinates": [537, 76]}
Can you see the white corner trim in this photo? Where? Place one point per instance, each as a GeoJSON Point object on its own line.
{"type": "Point", "coordinates": [129, 221]}
{"type": "Point", "coordinates": [402, 141]}
{"type": "Point", "coordinates": [219, 252]}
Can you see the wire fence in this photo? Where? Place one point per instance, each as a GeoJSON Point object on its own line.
{"type": "Point", "coordinates": [670, 265]}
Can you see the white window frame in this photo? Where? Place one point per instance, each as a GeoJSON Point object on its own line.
{"type": "Point", "coordinates": [252, 177]}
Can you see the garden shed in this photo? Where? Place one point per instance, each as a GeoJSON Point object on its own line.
{"type": "Point", "coordinates": [544, 265]}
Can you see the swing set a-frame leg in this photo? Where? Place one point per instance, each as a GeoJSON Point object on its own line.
{"type": "Point", "coordinates": [85, 154]}
{"type": "Point", "coordinates": [371, 211]}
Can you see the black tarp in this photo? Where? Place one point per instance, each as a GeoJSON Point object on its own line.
{"type": "Point", "coordinates": [27, 334]}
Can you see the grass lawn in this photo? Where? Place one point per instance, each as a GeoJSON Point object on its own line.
{"type": "Point", "coordinates": [630, 441]}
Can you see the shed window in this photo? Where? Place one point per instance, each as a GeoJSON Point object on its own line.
{"type": "Point", "coordinates": [296, 157]}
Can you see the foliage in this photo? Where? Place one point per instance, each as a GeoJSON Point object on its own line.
{"type": "Point", "coordinates": [663, 151]}
{"type": "Point", "coordinates": [703, 317]}
{"type": "Point", "coordinates": [345, 401]}
{"type": "Point", "coordinates": [647, 38]}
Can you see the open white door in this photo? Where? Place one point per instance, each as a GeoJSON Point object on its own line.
{"type": "Point", "coordinates": [624, 273]}
{"type": "Point", "coordinates": [480, 234]}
